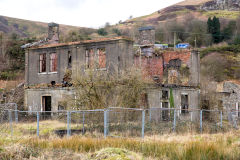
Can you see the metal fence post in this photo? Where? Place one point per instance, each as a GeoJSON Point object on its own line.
{"type": "Point", "coordinates": [10, 121]}
{"type": "Point", "coordinates": [68, 123]}
{"type": "Point", "coordinates": [16, 113]}
{"type": "Point", "coordinates": [105, 123]}
{"type": "Point", "coordinates": [221, 118]}
{"type": "Point", "coordinates": [150, 114]}
{"type": "Point", "coordinates": [83, 121]}
{"type": "Point", "coordinates": [38, 124]}
{"type": "Point", "coordinates": [201, 121]}
{"type": "Point", "coordinates": [174, 120]}
{"type": "Point", "coordinates": [143, 122]}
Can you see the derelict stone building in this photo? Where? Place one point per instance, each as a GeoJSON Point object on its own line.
{"type": "Point", "coordinates": [47, 64]}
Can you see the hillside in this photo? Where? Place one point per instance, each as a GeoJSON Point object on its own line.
{"type": "Point", "coordinates": [181, 11]}
{"type": "Point", "coordinates": [27, 28]}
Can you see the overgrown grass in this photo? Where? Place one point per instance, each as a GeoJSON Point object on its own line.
{"type": "Point", "coordinates": [213, 147]}
{"type": "Point", "coordinates": [172, 147]}
{"type": "Point", "coordinates": [221, 49]}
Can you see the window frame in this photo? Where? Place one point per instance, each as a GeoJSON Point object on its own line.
{"type": "Point", "coordinates": [100, 58]}
{"type": "Point", "coordinates": [41, 64]}
{"type": "Point", "coordinates": [53, 63]}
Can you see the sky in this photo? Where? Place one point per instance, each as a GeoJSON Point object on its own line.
{"type": "Point", "coordinates": [83, 13]}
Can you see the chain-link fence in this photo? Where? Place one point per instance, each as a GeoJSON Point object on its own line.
{"type": "Point", "coordinates": [115, 122]}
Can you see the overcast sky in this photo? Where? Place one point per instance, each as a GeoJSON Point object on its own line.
{"type": "Point", "coordinates": [84, 13]}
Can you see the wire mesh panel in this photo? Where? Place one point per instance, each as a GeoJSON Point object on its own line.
{"type": "Point", "coordinates": [187, 121]}
{"type": "Point", "coordinates": [211, 121]}
{"type": "Point", "coordinates": [88, 123]}
{"type": "Point", "coordinates": [5, 127]}
{"type": "Point", "coordinates": [159, 121]}
{"type": "Point", "coordinates": [52, 123]}
{"type": "Point", "coordinates": [124, 122]}
{"type": "Point", "coordinates": [27, 124]}
{"type": "Point", "coordinates": [116, 122]}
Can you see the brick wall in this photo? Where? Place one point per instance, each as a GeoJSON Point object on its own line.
{"type": "Point", "coordinates": [153, 66]}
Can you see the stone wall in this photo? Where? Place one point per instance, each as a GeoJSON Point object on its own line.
{"type": "Point", "coordinates": [119, 55]}
{"type": "Point", "coordinates": [155, 98]}
{"type": "Point", "coordinates": [233, 98]}
{"type": "Point", "coordinates": [233, 5]}
{"type": "Point", "coordinates": [33, 97]}
{"type": "Point", "coordinates": [146, 36]}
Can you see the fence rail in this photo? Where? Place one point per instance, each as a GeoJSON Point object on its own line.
{"type": "Point", "coordinates": [116, 122]}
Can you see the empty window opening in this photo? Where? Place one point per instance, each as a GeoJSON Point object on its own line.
{"type": "Point", "coordinates": [165, 111]}
{"type": "Point", "coordinates": [164, 94]}
{"type": "Point", "coordinates": [238, 108]}
{"type": "Point", "coordinates": [205, 106]}
{"type": "Point", "coordinates": [101, 58]}
{"type": "Point", "coordinates": [89, 55]}
{"type": "Point", "coordinates": [46, 104]}
{"type": "Point", "coordinates": [184, 104]}
{"type": "Point", "coordinates": [53, 62]}
{"type": "Point", "coordinates": [42, 62]}
{"type": "Point", "coordinates": [53, 83]}
{"type": "Point", "coordinates": [220, 105]}
{"type": "Point", "coordinates": [144, 100]}
{"type": "Point", "coordinates": [61, 108]}
{"type": "Point", "coordinates": [69, 59]}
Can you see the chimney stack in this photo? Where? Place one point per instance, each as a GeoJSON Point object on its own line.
{"type": "Point", "coordinates": [53, 33]}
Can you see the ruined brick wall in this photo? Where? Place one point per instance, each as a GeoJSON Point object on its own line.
{"type": "Point", "coordinates": [154, 66]}
{"type": "Point", "coordinates": [183, 55]}
{"type": "Point", "coordinates": [151, 66]}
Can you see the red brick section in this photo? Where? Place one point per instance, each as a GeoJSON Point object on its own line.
{"type": "Point", "coordinates": [183, 55]}
{"type": "Point", "coordinates": [153, 66]}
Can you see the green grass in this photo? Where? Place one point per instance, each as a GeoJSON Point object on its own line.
{"type": "Point", "coordinates": [221, 49]}
{"type": "Point", "coordinates": [222, 14]}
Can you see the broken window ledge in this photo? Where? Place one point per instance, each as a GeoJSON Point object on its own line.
{"type": "Point", "coordinates": [99, 69]}
{"type": "Point", "coordinates": [52, 72]}
{"type": "Point", "coordinates": [44, 73]}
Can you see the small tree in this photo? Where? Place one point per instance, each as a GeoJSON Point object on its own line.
{"type": "Point", "coordinates": [214, 29]}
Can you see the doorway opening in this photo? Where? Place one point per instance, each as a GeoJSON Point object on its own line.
{"type": "Point", "coordinates": [47, 104]}
{"type": "Point", "coordinates": [184, 103]}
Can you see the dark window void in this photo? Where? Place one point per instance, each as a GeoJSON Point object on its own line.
{"type": "Point", "coordinates": [46, 104]}
{"type": "Point", "coordinates": [53, 83]}
{"type": "Point", "coordinates": [165, 111]}
{"type": "Point", "coordinates": [164, 94]}
{"type": "Point", "coordinates": [42, 62]}
{"type": "Point", "coordinates": [145, 100]}
{"type": "Point", "coordinates": [184, 104]}
{"type": "Point", "coordinates": [220, 105]}
{"type": "Point", "coordinates": [69, 59]}
{"type": "Point", "coordinates": [205, 106]}
{"type": "Point", "coordinates": [238, 109]}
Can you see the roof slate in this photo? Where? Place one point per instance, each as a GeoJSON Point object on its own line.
{"type": "Point", "coordinates": [82, 42]}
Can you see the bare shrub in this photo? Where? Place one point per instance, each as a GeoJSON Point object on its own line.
{"type": "Point", "coordinates": [98, 89]}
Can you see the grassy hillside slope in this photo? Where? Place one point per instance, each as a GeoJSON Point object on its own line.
{"type": "Point", "coordinates": [27, 28]}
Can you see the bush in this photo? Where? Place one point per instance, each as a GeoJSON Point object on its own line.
{"type": "Point", "coordinates": [8, 75]}
{"type": "Point", "coordinates": [102, 32]}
